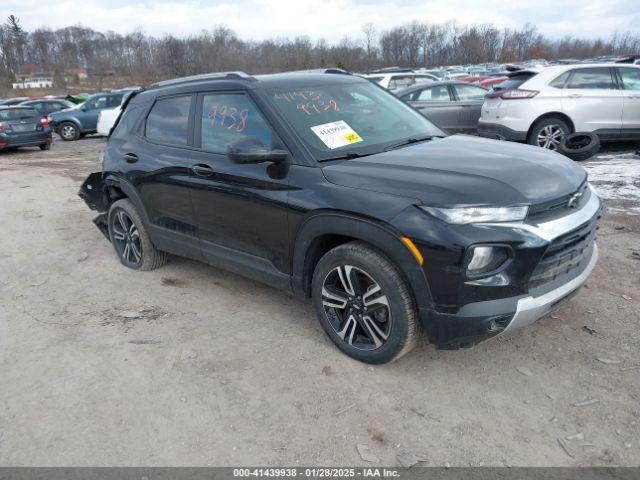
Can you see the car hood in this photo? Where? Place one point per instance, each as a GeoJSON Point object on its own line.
{"type": "Point", "coordinates": [462, 170]}
{"type": "Point", "coordinates": [65, 110]}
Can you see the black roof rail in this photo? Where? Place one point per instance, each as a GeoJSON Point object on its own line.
{"type": "Point", "coordinates": [202, 77]}
{"type": "Point", "coordinates": [336, 71]}
{"type": "Point", "coordinates": [392, 70]}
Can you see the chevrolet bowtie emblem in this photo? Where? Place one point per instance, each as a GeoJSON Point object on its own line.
{"type": "Point", "coordinates": [573, 201]}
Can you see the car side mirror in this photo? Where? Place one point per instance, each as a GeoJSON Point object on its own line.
{"type": "Point", "coordinates": [83, 108]}
{"type": "Point", "coordinates": [251, 150]}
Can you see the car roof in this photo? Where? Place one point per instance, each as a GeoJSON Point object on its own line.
{"type": "Point", "coordinates": [240, 80]}
{"type": "Point", "coordinates": [420, 86]}
{"type": "Point", "coordinates": [39, 100]}
{"type": "Point", "coordinates": [16, 107]}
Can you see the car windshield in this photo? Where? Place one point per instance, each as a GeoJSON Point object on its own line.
{"type": "Point", "coordinates": [16, 114]}
{"type": "Point", "coordinates": [350, 119]}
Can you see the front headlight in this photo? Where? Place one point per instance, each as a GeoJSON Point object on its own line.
{"type": "Point", "coordinates": [462, 215]}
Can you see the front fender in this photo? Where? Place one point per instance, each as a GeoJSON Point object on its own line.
{"type": "Point", "coordinates": [377, 235]}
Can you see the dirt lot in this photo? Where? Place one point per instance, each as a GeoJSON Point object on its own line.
{"type": "Point", "coordinates": [188, 365]}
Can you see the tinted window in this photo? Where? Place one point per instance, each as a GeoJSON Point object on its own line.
{"type": "Point", "coordinates": [439, 93]}
{"type": "Point", "coordinates": [560, 81]}
{"type": "Point", "coordinates": [114, 100]}
{"type": "Point", "coordinates": [591, 78]}
{"type": "Point", "coordinates": [229, 117]}
{"type": "Point", "coordinates": [96, 103]}
{"type": "Point", "coordinates": [168, 121]}
{"type": "Point", "coordinates": [470, 93]}
{"type": "Point", "coordinates": [514, 81]}
{"type": "Point", "coordinates": [630, 78]}
{"type": "Point", "coordinates": [10, 114]}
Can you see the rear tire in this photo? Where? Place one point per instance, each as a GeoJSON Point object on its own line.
{"type": "Point", "coordinates": [548, 133]}
{"type": "Point", "coordinates": [68, 131]}
{"type": "Point", "coordinates": [364, 304]}
{"type": "Point", "coordinates": [130, 238]}
{"type": "Point", "coordinates": [45, 146]}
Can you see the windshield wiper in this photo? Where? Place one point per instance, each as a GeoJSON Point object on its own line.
{"type": "Point", "coordinates": [409, 141]}
{"type": "Point", "coordinates": [348, 156]}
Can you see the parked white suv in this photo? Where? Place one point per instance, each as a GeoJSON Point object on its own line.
{"type": "Point", "coordinates": [541, 108]}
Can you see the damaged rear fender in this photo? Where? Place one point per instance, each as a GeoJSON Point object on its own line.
{"type": "Point", "coordinates": [93, 192]}
{"type": "Point", "coordinates": [101, 189]}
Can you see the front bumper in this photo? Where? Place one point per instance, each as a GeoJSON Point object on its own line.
{"type": "Point", "coordinates": [500, 132]}
{"type": "Point", "coordinates": [530, 309]}
{"type": "Point", "coordinates": [481, 319]}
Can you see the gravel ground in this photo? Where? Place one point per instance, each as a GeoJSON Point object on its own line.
{"type": "Point", "coordinates": [189, 365]}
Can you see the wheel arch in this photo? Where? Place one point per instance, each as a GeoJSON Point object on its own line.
{"type": "Point", "coordinates": [562, 116]}
{"type": "Point", "coordinates": [325, 231]}
{"type": "Point", "coordinates": [118, 187]}
{"type": "Point", "coordinates": [73, 120]}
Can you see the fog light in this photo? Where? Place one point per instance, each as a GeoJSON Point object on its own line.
{"type": "Point", "coordinates": [486, 259]}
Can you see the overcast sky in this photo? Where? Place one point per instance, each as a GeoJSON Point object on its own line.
{"type": "Point", "coordinates": [330, 19]}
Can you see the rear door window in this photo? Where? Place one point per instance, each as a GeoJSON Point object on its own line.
{"type": "Point", "coordinates": [229, 117]}
{"type": "Point", "coordinates": [168, 121]}
{"type": "Point", "coordinates": [591, 79]}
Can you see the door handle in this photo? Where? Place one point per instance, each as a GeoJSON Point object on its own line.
{"type": "Point", "coordinates": [202, 170]}
{"type": "Point", "coordinates": [130, 157]}
{"type": "Point", "coordinates": [575, 95]}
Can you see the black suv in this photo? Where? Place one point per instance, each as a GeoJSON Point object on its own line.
{"type": "Point", "coordinates": [328, 186]}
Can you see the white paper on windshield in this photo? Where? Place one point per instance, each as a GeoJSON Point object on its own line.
{"type": "Point", "coordinates": [336, 134]}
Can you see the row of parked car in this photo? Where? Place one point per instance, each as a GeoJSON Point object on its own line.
{"type": "Point", "coordinates": [539, 105]}
{"type": "Point", "coordinates": [30, 122]}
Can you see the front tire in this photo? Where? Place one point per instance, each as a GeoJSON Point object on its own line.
{"type": "Point", "coordinates": [130, 238]}
{"type": "Point", "coordinates": [364, 304]}
{"type": "Point", "coordinates": [68, 131]}
{"type": "Point", "coordinates": [548, 133]}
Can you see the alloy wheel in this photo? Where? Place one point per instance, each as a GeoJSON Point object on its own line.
{"type": "Point", "coordinates": [126, 238]}
{"type": "Point", "coordinates": [68, 131]}
{"type": "Point", "coordinates": [356, 307]}
{"type": "Point", "coordinates": [550, 137]}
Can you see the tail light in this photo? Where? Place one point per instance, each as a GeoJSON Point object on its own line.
{"type": "Point", "coordinates": [517, 94]}
{"type": "Point", "coordinates": [44, 122]}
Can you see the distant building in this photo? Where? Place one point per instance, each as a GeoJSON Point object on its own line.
{"type": "Point", "coordinates": [74, 75]}
{"type": "Point", "coordinates": [35, 80]}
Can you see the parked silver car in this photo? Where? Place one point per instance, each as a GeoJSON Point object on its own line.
{"type": "Point", "coordinates": [453, 106]}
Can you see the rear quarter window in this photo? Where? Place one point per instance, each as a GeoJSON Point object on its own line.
{"type": "Point", "coordinates": [560, 81]}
